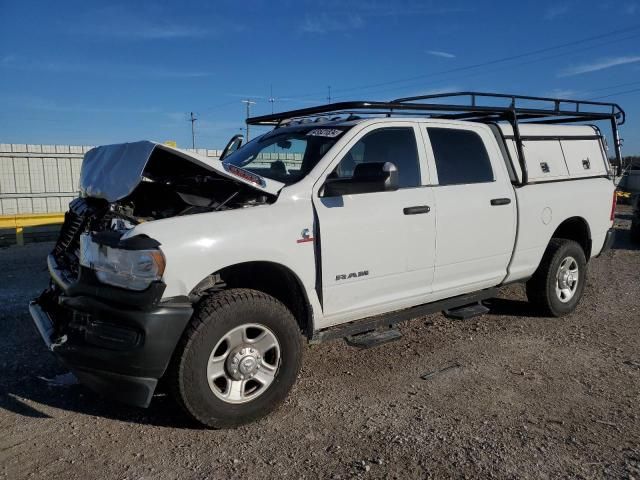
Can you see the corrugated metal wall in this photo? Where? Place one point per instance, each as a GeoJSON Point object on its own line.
{"type": "Point", "coordinates": [44, 178]}
{"type": "Point", "coordinates": [38, 178]}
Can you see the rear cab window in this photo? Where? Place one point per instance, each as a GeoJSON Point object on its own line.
{"type": "Point", "coordinates": [460, 156]}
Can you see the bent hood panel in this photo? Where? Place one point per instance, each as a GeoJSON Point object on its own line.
{"type": "Point", "coordinates": [112, 172]}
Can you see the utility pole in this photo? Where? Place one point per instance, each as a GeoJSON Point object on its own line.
{"type": "Point", "coordinates": [193, 131]}
{"type": "Point", "coordinates": [248, 103]}
{"type": "Point", "coordinates": [329, 95]}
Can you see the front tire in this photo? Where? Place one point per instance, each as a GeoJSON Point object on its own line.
{"type": "Point", "coordinates": [238, 359]}
{"type": "Point", "coordinates": [557, 285]}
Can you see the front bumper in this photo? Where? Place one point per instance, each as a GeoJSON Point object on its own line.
{"type": "Point", "coordinates": [118, 346]}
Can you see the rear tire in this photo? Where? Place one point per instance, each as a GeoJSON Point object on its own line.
{"type": "Point", "coordinates": [237, 360]}
{"type": "Point", "coordinates": [557, 285]}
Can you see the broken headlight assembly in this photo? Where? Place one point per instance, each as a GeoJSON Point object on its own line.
{"type": "Point", "coordinates": [130, 269]}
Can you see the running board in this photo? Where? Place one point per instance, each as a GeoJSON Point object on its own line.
{"type": "Point", "coordinates": [466, 312]}
{"type": "Point", "coordinates": [392, 318]}
{"type": "Point", "coordinates": [374, 338]}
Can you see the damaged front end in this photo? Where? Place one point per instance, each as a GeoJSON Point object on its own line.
{"type": "Point", "coordinates": [128, 184]}
{"type": "Point", "coordinates": [147, 181]}
{"type": "Point", "coordinates": [104, 314]}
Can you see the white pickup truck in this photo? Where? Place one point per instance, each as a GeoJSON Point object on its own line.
{"type": "Point", "coordinates": [341, 221]}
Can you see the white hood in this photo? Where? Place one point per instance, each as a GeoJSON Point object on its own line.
{"type": "Point", "coordinates": [112, 172]}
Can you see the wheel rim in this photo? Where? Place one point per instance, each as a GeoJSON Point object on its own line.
{"type": "Point", "coordinates": [244, 363]}
{"type": "Point", "coordinates": [567, 279]}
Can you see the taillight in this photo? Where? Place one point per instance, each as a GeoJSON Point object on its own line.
{"type": "Point", "coordinates": [613, 205]}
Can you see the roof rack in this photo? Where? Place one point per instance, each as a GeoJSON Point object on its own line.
{"type": "Point", "coordinates": [472, 106]}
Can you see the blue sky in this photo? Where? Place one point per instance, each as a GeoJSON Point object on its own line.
{"type": "Point", "coordinates": [84, 72]}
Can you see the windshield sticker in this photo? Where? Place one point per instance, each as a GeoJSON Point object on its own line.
{"type": "Point", "coordinates": [324, 132]}
{"type": "Point", "coordinates": [244, 174]}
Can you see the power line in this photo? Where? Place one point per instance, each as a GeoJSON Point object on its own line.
{"type": "Point", "coordinates": [616, 94]}
{"type": "Point", "coordinates": [331, 98]}
{"type": "Point", "coordinates": [620, 85]}
{"type": "Point", "coordinates": [468, 67]}
{"type": "Point", "coordinates": [508, 67]}
{"type": "Point", "coordinates": [499, 60]}
{"type": "Point", "coordinates": [483, 64]}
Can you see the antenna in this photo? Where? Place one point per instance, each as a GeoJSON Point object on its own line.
{"type": "Point", "coordinates": [329, 94]}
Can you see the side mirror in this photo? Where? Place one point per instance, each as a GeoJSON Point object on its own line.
{"type": "Point", "coordinates": [234, 144]}
{"type": "Point", "coordinates": [367, 178]}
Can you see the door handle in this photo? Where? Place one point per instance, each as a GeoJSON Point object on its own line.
{"type": "Point", "coordinates": [417, 210]}
{"type": "Point", "coordinates": [500, 201]}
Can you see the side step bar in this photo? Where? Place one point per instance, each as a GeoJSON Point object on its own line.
{"type": "Point", "coordinates": [374, 338]}
{"type": "Point", "coordinates": [392, 318]}
{"type": "Point", "coordinates": [466, 312]}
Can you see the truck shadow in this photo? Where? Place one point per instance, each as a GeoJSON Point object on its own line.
{"type": "Point", "coordinates": [623, 240]}
{"type": "Point", "coordinates": [507, 307]}
{"type": "Point", "coordinates": [20, 400]}
{"type": "Point", "coordinates": [32, 396]}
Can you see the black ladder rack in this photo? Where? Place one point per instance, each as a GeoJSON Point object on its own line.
{"type": "Point", "coordinates": [470, 106]}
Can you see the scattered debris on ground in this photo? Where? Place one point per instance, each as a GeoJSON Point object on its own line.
{"type": "Point", "coordinates": [429, 375]}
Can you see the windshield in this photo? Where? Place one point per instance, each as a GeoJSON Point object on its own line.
{"type": "Point", "coordinates": [286, 155]}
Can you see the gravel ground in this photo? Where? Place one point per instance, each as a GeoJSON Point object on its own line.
{"type": "Point", "coordinates": [531, 397]}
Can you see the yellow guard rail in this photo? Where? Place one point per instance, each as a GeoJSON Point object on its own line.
{"type": "Point", "coordinates": [19, 222]}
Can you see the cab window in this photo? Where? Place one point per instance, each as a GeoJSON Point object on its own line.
{"type": "Point", "coordinates": [396, 145]}
{"type": "Point", "coordinates": [460, 156]}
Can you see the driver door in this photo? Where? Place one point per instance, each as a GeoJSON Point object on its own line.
{"type": "Point", "coordinates": [378, 248]}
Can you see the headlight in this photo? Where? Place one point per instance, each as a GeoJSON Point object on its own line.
{"type": "Point", "coordinates": [131, 269]}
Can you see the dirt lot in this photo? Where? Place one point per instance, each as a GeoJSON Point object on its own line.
{"type": "Point", "coordinates": [532, 398]}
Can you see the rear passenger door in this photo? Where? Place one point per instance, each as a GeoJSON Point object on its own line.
{"type": "Point", "coordinates": [474, 207]}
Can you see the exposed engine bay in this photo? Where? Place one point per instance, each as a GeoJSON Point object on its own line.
{"type": "Point", "coordinates": [159, 197]}
{"type": "Point", "coordinates": [172, 186]}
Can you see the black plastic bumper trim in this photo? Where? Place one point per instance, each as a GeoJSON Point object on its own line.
{"type": "Point", "coordinates": [127, 373]}
{"type": "Point", "coordinates": [160, 329]}
{"type": "Point", "coordinates": [609, 240]}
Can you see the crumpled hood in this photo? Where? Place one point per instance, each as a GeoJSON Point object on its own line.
{"type": "Point", "coordinates": [112, 172]}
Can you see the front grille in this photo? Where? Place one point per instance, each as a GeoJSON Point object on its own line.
{"type": "Point", "coordinates": [76, 220]}
{"type": "Point", "coordinates": [69, 234]}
